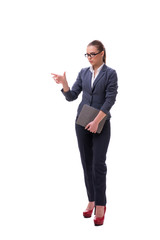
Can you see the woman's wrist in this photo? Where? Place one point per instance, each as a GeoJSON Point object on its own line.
{"type": "Point", "coordinates": [65, 87]}
{"type": "Point", "coordinates": [99, 117]}
{"type": "Point", "coordinates": [96, 121]}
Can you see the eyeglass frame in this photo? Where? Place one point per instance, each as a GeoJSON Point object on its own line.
{"type": "Point", "coordinates": [93, 54]}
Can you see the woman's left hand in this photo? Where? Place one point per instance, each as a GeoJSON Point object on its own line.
{"type": "Point", "coordinates": [92, 127]}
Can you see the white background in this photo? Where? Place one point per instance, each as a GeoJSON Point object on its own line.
{"type": "Point", "coordinates": [42, 192]}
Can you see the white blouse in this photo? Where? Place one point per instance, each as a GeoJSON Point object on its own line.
{"type": "Point", "coordinates": [92, 71]}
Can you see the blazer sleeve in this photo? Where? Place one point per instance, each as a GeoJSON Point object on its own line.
{"type": "Point", "coordinates": [111, 92]}
{"type": "Point", "coordinates": [76, 89]}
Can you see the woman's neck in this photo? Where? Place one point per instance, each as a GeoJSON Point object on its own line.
{"type": "Point", "coordinates": [95, 67]}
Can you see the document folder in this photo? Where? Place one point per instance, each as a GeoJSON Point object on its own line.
{"type": "Point", "coordinates": [87, 114]}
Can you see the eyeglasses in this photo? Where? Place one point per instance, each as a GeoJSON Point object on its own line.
{"type": "Point", "coordinates": [91, 54]}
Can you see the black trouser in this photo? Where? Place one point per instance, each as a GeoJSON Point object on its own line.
{"type": "Point", "coordinates": [93, 149]}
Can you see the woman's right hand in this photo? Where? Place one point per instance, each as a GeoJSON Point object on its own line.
{"type": "Point", "coordinates": [60, 78]}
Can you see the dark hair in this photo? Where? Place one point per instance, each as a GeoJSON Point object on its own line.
{"type": "Point", "coordinates": [100, 48]}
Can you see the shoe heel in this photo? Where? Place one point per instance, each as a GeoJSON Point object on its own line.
{"type": "Point", "coordinates": [99, 221]}
{"type": "Point", "coordinates": [87, 213]}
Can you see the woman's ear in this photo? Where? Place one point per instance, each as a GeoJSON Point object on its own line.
{"type": "Point", "coordinates": [102, 53]}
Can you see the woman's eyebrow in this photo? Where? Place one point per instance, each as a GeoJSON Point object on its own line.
{"type": "Point", "coordinates": [91, 52]}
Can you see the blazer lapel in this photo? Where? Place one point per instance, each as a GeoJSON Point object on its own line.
{"type": "Point", "coordinates": [88, 80]}
{"type": "Point", "coordinates": [100, 75]}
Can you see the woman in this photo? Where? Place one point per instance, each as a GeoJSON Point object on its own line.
{"type": "Point", "coordinates": [99, 86]}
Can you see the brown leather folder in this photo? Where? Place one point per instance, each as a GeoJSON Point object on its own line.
{"type": "Point", "coordinates": [87, 114]}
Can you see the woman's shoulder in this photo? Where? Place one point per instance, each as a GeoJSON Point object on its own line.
{"type": "Point", "coordinates": [85, 69]}
{"type": "Point", "coordinates": [104, 68]}
{"type": "Point", "coordinates": [109, 69]}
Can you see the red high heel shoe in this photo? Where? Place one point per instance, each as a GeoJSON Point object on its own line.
{"type": "Point", "coordinates": [87, 213]}
{"type": "Point", "coordinates": [99, 221]}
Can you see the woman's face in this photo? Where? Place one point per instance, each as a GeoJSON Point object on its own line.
{"type": "Point", "coordinates": [96, 60]}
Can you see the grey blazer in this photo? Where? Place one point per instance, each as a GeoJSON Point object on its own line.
{"type": "Point", "coordinates": [103, 93]}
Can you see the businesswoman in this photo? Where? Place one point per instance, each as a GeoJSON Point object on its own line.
{"type": "Point", "coordinates": [99, 86]}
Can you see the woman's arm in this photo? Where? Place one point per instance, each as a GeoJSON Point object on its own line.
{"type": "Point", "coordinates": [110, 98]}
{"type": "Point", "coordinates": [72, 94]}
{"type": "Point", "coordinates": [111, 92]}
{"type": "Point", "coordinates": [99, 117]}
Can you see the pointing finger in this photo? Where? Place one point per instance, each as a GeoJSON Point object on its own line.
{"type": "Point", "coordinates": [55, 75]}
